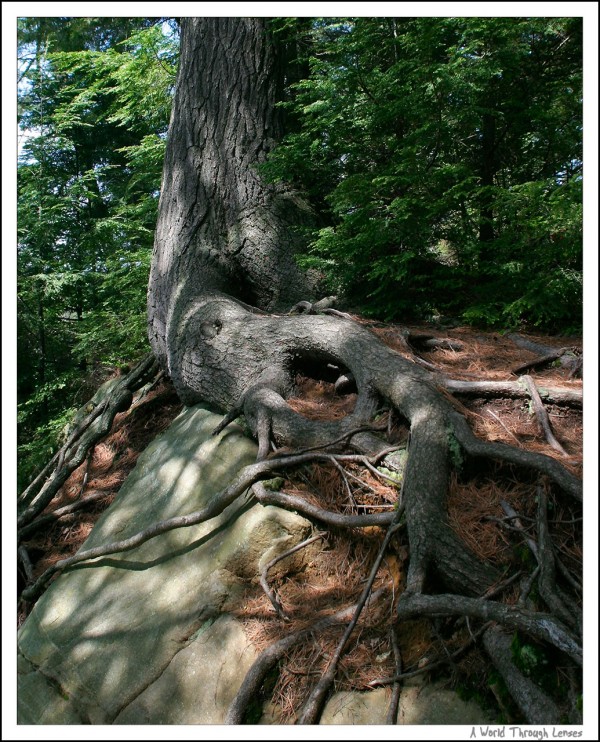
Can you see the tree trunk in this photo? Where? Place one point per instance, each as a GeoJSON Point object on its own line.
{"type": "Point", "coordinates": [221, 228]}
{"type": "Point", "coordinates": [225, 237]}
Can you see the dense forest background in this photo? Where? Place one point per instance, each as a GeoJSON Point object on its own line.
{"type": "Point", "coordinates": [441, 156]}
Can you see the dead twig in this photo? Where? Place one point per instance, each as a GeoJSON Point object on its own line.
{"type": "Point", "coordinates": [275, 602]}
{"type": "Point", "coordinates": [270, 656]}
{"type": "Point", "coordinates": [518, 526]}
{"type": "Point", "coordinates": [392, 713]}
{"type": "Point", "coordinates": [314, 704]}
{"type": "Point", "coordinates": [512, 435]}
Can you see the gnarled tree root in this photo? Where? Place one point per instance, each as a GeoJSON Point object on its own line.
{"type": "Point", "coordinates": [542, 626]}
{"type": "Point", "coordinates": [95, 426]}
{"type": "Point", "coordinates": [248, 477]}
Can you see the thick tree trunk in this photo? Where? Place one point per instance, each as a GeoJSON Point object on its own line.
{"type": "Point", "coordinates": [221, 228]}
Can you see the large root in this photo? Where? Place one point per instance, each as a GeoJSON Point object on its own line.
{"type": "Point", "coordinates": [72, 454]}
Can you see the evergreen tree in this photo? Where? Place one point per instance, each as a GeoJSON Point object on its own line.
{"type": "Point", "coordinates": [444, 157]}
{"type": "Point", "coordinates": [94, 105]}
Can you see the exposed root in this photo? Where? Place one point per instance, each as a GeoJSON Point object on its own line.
{"type": "Point", "coordinates": [512, 389]}
{"type": "Point", "coordinates": [549, 590]}
{"type": "Point", "coordinates": [542, 626]}
{"type": "Point", "coordinates": [248, 477]}
{"type": "Point", "coordinates": [536, 705]}
{"type": "Point", "coordinates": [460, 545]}
{"type": "Point", "coordinates": [44, 520]}
{"type": "Point", "coordinates": [543, 464]}
{"type": "Point", "coordinates": [39, 494]}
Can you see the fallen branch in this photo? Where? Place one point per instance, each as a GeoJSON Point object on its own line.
{"type": "Point", "coordinates": [556, 395]}
{"type": "Point", "coordinates": [542, 415]}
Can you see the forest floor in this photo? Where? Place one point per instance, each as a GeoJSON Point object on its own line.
{"type": "Point", "coordinates": [339, 562]}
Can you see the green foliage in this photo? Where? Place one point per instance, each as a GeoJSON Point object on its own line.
{"type": "Point", "coordinates": [443, 157]}
{"type": "Point", "coordinates": [455, 450]}
{"type": "Point", "coordinates": [35, 452]}
{"type": "Point", "coordinates": [94, 105]}
{"type": "Point", "coordinates": [497, 686]}
{"type": "Point", "coordinates": [275, 484]}
{"type": "Point", "coordinates": [391, 474]}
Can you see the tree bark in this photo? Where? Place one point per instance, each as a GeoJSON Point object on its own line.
{"type": "Point", "coordinates": [221, 227]}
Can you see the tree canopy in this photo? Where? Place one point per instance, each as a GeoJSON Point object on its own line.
{"type": "Point", "coordinates": [444, 156]}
